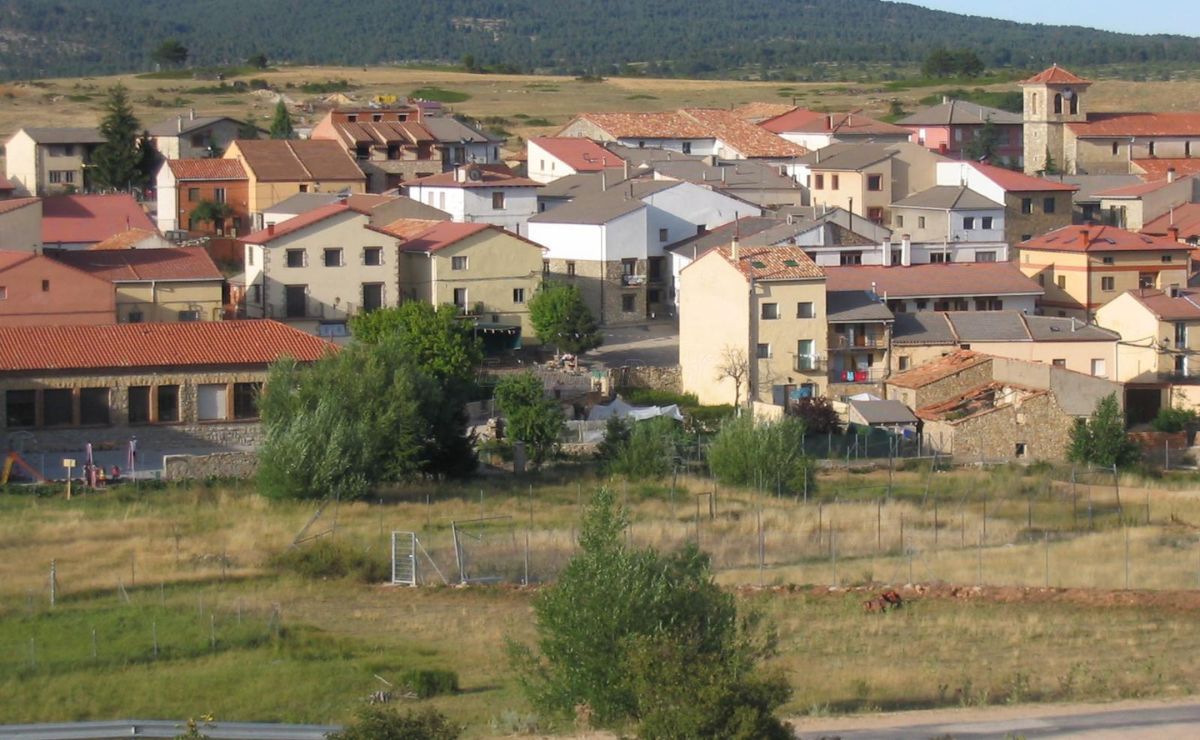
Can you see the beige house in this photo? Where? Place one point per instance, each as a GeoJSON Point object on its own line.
{"type": "Point", "coordinates": [486, 272]}
{"type": "Point", "coordinates": [21, 224]}
{"type": "Point", "coordinates": [277, 169]}
{"type": "Point", "coordinates": [156, 285]}
{"type": "Point", "coordinates": [859, 342]}
{"type": "Point", "coordinates": [758, 314]}
{"type": "Point", "coordinates": [1132, 207]}
{"type": "Point", "coordinates": [188, 136]}
{"type": "Point", "coordinates": [44, 161]}
{"type": "Point", "coordinates": [865, 179]}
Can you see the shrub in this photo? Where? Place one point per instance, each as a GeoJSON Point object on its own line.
{"type": "Point", "coordinates": [377, 723]}
{"type": "Point", "coordinates": [426, 683]}
{"type": "Point", "coordinates": [768, 455]}
{"type": "Point", "coordinates": [326, 558]}
{"type": "Point", "coordinates": [1101, 440]}
{"type": "Point", "coordinates": [818, 415]}
{"type": "Point", "coordinates": [1173, 420]}
{"type": "Point", "coordinates": [649, 450]}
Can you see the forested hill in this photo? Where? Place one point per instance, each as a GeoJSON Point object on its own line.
{"type": "Point", "coordinates": [680, 37]}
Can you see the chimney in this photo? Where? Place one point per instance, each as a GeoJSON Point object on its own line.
{"type": "Point", "coordinates": [723, 170]}
{"type": "Point", "coordinates": [887, 252]}
{"type": "Point", "coordinates": [1086, 233]}
{"type": "Point", "coordinates": [271, 229]}
{"type": "Point", "coordinates": [625, 163]}
{"type": "Point", "coordinates": [733, 248]}
{"type": "Point", "coordinates": [604, 179]}
{"type": "Point", "coordinates": [191, 114]}
{"type": "Point", "coordinates": [1170, 174]}
{"type": "Point", "coordinates": [905, 250]}
{"type": "Point", "coordinates": [460, 174]}
{"type": "Point", "coordinates": [1173, 233]}
{"type": "Point", "coordinates": [945, 99]}
{"type": "Point", "coordinates": [829, 122]}
{"type": "Point", "coordinates": [179, 124]}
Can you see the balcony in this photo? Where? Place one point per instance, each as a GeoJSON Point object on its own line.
{"type": "Point", "coordinates": [312, 309]}
{"type": "Point", "coordinates": [866, 375]}
{"type": "Point", "coordinates": [808, 364]}
{"type": "Point", "coordinates": [630, 280]}
{"type": "Point", "coordinates": [866, 341]}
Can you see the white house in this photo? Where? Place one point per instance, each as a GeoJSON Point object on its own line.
{"type": "Point", "coordinates": [550, 157]}
{"type": "Point", "coordinates": [44, 161]}
{"type": "Point", "coordinates": [951, 223]}
{"type": "Point", "coordinates": [479, 193]}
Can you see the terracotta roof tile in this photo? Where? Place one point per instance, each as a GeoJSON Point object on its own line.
{"type": "Point", "coordinates": [1137, 124]}
{"type": "Point", "coordinates": [137, 265]}
{"type": "Point", "coordinates": [1134, 191]}
{"type": "Point", "coordinates": [179, 344]}
{"type": "Point", "coordinates": [772, 263]}
{"type": "Point", "coordinates": [407, 228]}
{"type": "Point", "coordinates": [490, 176]}
{"type": "Point", "coordinates": [1017, 182]}
{"type": "Point", "coordinates": [207, 169]}
{"type": "Point", "coordinates": [943, 367]}
{"type": "Point", "coordinates": [745, 137]}
{"type": "Point", "coordinates": [802, 120]}
{"type": "Point", "coordinates": [13, 204]}
{"type": "Point", "coordinates": [124, 240]}
{"type": "Point", "coordinates": [298, 223]}
{"type": "Point", "coordinates": [1055, 75]}
{"type": "Point", "coordinates": [662, 125]}
{"type": "Point", "coordinates": [759, 111]}
{"type": "Point", "coordinates": [1184, 307]}
{"type": "Point", "coordinates": [581, 155]}
{"type": "Point", "coordinates": [935, 279]}
{"type": "Point", "coordinates": [441, 235]}
{"type": "Point", "coordinates": [1094, 238]}
{"type": "Point", "coordinates": [982, 399]}
{"type": "Point", "coordinates": [1156, 169]}
{"type": "Point", "coordinates": [1185, 217]}
{"type": "Point", "coordinates": [88, 219]}
{"type": "Point", "coordinates": [298, 160]}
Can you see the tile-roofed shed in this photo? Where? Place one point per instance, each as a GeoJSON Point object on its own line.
{"type": "Point", "coordinates": [1099, 238]}
{"type": "Point", "coordinates": [139, 265]}
{"type": "Point", "coordinates": [943, 367]}
{"type": "Point", "coordinates": [88, 219]}
{"type": "Point", "coordinates": [206, 169]}
{"type": "Point", "coordinates": [297, 160]}
{"type": "Point", "coordinates": [935, 279]}
{"type": "Point", "coordinates": [151, 346]}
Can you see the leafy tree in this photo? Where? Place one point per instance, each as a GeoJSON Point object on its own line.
{"type": "Point", "coordinates": [1101, 440]}
{"type": "Point", "coordinates": [1173, 419]}
{"type": "Point", "coordinates": [170, 53]}
{"type": "Point", "coordinates": [212, 212]}
{"type": "Point", "coordinates": [818, 415]}
{"type": "Point", "coordinates": [281, 124]}
{"type": "Point", "coordinates": [438, 340]}
{"type": "Point", "coordinates": [258, 61]}
{"type": "Point", "coordinates": [378, 723]}
{"type": "Point", "coordinates": [767, 455]}
{"type": "Point", "coordinates": [943, 62]}
{"type": "Point", "coordinates": [982, 146]}
{"type": "Point", "coordinates": [650, 450]}
{"type": "Point", "coordinates": [117, 160]}
{"type": "Point", "coordinates": [562, 319]}
{"type": "Point", "coordinates": [531, 417]}
{"type": "Point", "coordinates": [149, 159]}
{"type": "Point", "coordinates": [619, 621]}
{"type": "Point", "coordinates": [469, 63]}
{"type": "Point", "coordinates": [616, 435]}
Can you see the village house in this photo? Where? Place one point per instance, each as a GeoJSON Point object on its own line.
{"type": "Point", "coordinates": [44, 161]}
{"type": "Point", "coordinates": [757, 314]}
{"type": "Point", "coordinates": [966, 286]}
{"type": "Point", "coordinates": [21, 224]}
{"type": "Point", "coordinates": [479, 193]}
{"type": "Point", "coordinates": [36, 290]}
{"type": "Point", "coordinates": [949, 129]}
{"type": "Point", "coordinates": [751, 180]}
{"type": "Point", "coordinates": [551, 157]}
{"type": "Point", "coordinates": [866, 179]}
{"type": "Point", "coordinates": [699, 131]}
{"type": "Point", "coordinates": [188, 136]}
{"type": "Point", "coordinates": [1086, 200]}
{"type": "Point", "coordinates": [1132, 207]}
{"type": "Point", "coordinates": [859, 342]}
{"type": "Point", "coordinates": [383, 209]}
{"type": "Point", "coordinates": [83, 221]}
{"type": "Point", "coordinates": [1032, 205]}
{"type": "Point", "coordinates": [156, 285]}
{"type": "Point", "coordinates": [183, 185]}
{"type": "Point", "coordinates": [1082, 268]}
{"type": "Point", "coordinates": [612, 244]}
{"type": "Point", "coordinates": [948, 223]}
{"type": "Point", "coordinates": [277, 169]}
{"type": "Point", "coordinates": [814, 130]}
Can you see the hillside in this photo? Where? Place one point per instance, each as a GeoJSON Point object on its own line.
{"type": "Point", "coordinates": [801, 39]}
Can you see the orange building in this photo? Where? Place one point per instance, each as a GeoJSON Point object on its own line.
{"type": "Point", "coordinates": [38, 291]}
{"type": "Point", "coordinates": [183, 184]}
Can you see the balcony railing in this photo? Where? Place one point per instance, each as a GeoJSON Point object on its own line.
{"type": "Point", "coordinates": [808, 364]}
{"type": "Point", "coordinates": [312, 309]}
{"type": "Point", "coordinates": [633, 280]}
{"type": "Point", "coordinates": [867, 375]}
{"type": "Point", "coordinates": [860, 342]}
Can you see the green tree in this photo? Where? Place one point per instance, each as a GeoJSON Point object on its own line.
{"type": "Point", "coordinates": [149, 160]}
{"type": "Point", "coordinates": [170, 53]}
{"type": "Point", "coordinates": [437, 338]}
{"type": "Point", "coordinates": [562, 319]}
{"type": "Point", "coordinates": [117, 161]}
{"type": "Point", "coordinates": [1050, 167]}
{"type": "Point", "coordinates": [982, 146]}
{"type": "Point", "coordinates": [818, 415]}
{"type": "Point", "coordinates": [469, 63]}
{"type": "Point", "coordinates": [378, 723]}
{"type": "Point", "coordinates": [281, 124]}
{"type": "Point", "coordinates": [258, 61]}
{"type": "Point", "coordinates": [649, 450]}
{"type": "Point", "coordinates": [530, 416]}
{"type": "Point", "coordinates": [767, 455]}
{"type": "Point", "coordinates": [619, 621]}
{"type": "Point", "coordinates": [1101, 440]}
{"type": "Point", "coordinates": [212, 212]}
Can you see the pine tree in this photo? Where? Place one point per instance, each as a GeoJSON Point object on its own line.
{"type": "Point", "coordinates": [117, 162]}
{"type": "Point", "coordinates": [281, 124]}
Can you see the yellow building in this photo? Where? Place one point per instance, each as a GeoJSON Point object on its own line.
{"type": "Point", "coordinates": [1081, 268]}
{"type": "Point", "coordinates": [277, 169]}
{"type": "Point", "coordinates": [489, 273]}
{"type": "Point", "coordinates": [168, 284]}
{"type": "Point", "coordinates": [752, 326]}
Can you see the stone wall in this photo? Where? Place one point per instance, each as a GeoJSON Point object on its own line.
{"type": "Point", "coordinates": [240, 465]}
{"type": "Point", "coordinates": [668, 378]}
{"type": "Point", "coordinates": [1037, 423]}
{"type": "Point", "coordinates": [944, 388]}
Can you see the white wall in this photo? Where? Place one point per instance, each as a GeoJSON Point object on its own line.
{"type": "Point", "coordinates": [701, 147]}
{"type": "Point", "coordinates": [450, 200]}
{"type": "Point", "coordinates": [686, 206]}
{"type": "Point", "coordinates": [996, 233]}
{"type": "Point", "coordinates": [167, 195]}
{"type": "Point", "coordinates": [807, 140]}
{"type": "Point", "coordinates": [622, 238]}
{"type": "Point", "coordinates": [542, 166]}
{"type": "Point", "coordinates": [961, 173]}
{"type": "Point", "coordinates": [20, 163]}
{"type": "Point", "coordinates": [519, 205]}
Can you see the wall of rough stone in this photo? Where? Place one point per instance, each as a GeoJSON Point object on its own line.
{"type": "Point", "coordinates": [668, 378]}
{"type": "Point", "coordinates": [1037, 422]}
{"type": "Point", "coordinates": [217, 465]}
{"type": "Point", "coordinates": [943, 389]}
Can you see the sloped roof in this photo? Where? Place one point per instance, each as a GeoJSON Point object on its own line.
{"type": "Point", "coordinates": [153, 345]}
{"type": "Point", "coordinates": [138, 265]}
{"type": "Point", "coordinates": [1090, 185]}
{"type": "Point", "coordinates": [303, 203]}
{"type": "Point", "coordinates": [1059, 329]}
{"type": "Point", "coordinates": [745, 137]}
{"type": "Point", "coordinates": [606, 205]}
{"type": "Point", "coordinates": [443, 234]}
{"type": "Point", "coordinates": [772, 263]}
{"type": "Point", "coordinates": [760, 111]}
{"type": "Point", "coordinates": [660, 125]}
{"type": "Point", "coordinates": [298, 160]}
{"type": "Point", "coordinates": [977, 401]}
{"type": "Point", "coordinates": [1134, 190]}
{"type": "Point", "coordinates": [960, 113]}
{"type": "Point", "coordinates": [490, 176]}
{"type": "Point", "coordinates": [943, 367]}
{"type": "Point", "coordinates": [13, 204]}
{"type": "Point", "coordinates": [843, 306]}
{"type": "Point", "coordinates": [922, 327]}
{"type": "Point", "coordinates": [884, 411]}
{"type": "Point", "coordinates": [88, 219]}
{"type": "Point", "coordinates": [207, 169]}
{"type": "Point", "coordinates": [849, 157]}
{"type": "Point", "coordinates": [1184, 307]}
{"type": "Point", "coordinates": [853, 123]}
{"type": "Point", "coordinates": [741, 174]}
{"type": "Point", "coordinates": [171, 126]}
{"type": "Point", "coordinates": [64, 135]}
{"type": "Point", "coordinates": [449, 130]}
{"type": "Point", "coordinates": [949, 197]}
{"type": "Point", "coordinates": [1156, 168]}
{"type": "Point", "coordinates": [6, 184]}
{"type": "Point", "coordinates": [988, 326]}
{"type": "Point", "coordinates": [745, 227]}
{"type": "Point", "coordinates": [1098, 238]}
{"type": "Point", "coordinates": [298, 223]}
{"type": "Point", "coordinates": [1184, 217]}
{"type": "Point", "coordinates": [1055, 75]}
{"type": "Point", "coordinates": [935, 279]}
{"type": "Point", "coordinates": [581, 155]}
{"type": "Point", "coordinates": [1018, 182]}
{"type": "Point", "coordinates": [1109, 125]}
{"type": "Point", "coordinates": [124, 240]}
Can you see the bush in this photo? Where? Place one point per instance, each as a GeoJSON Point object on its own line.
{"type": "Point", "coordinates": [649, 449]}
{"type": "Point", "coordinates": [818, 416]}
{"type": "Point", "coordinates": [766, 456]}
{"type": "Point", "coordinates": [426, 683]}
{"type": "Point", "coordinates": [1173, 420]}
{"type": "Point", "coordinates": [377, 723]}
{"type": "Point", "coordinates": [1101, 440]}
{"type": "Point", "coordinates": [326, 558]}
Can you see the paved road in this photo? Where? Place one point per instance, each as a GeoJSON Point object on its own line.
{"type": "Point", "coordinates": [1133, 722]}
{"type": "Point", "coordinates": [655, 343]}
{"type": "Point", "coordinates": [162, 729]}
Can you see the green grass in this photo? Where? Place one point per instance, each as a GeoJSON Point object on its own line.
{"type": "Point", "coordinates": [441, 95]}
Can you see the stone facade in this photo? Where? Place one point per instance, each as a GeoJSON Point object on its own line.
{"type": "Point", "coordinates": [644, 376]}
{"type": "Point", "coordinates": [241, 465]}
{"type": "Point", "coordinates": [1019, 226]}
{"type": "Point", "coordinates": [1033, 428]}
{"type": "Point", "coordinates": [602, 287]}
{"type": "Point", "coordinates": [943, 388]}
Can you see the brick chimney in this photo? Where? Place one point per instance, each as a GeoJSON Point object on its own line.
{"type": "Point", "coordinates": [1086, 233]}
{"type": "Point", "coordinates": [1170, 174]}
{"type": "Point", "coordinates": [1173, 233]}
{"type": "Point", "coordinates": [271, 229]}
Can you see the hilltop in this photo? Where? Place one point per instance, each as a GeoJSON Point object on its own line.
{"type": "Point", "coordinates": [779, 39]}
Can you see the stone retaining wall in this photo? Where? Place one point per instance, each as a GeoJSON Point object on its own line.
{"type": "Point", "coordinates": [217, 465]}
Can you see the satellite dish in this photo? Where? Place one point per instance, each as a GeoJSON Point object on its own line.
{"type": "Point", "coordinates": [474, 174]}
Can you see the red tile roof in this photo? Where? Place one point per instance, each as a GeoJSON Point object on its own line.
{"type": "Point", "coordinates": [943, 367]}
{"type": "Point", "coordinates": [1017, 182]}
{"type": "Point", "coordinates": [771, 263]}
{"type": "Point", "coordinates": [802, 120]}
{"type": "Point", "coordinates": [441, 235]}
{"type": "Point", "coordinates": [1133, 191]}
{"type": "Point", "coordinates": [125, 240]}
{"type": "Point", "coordinates": [661, 125]}
{"type": "Point", "coordinates": [88, 219]}
{"type": "Point", "coordinates": [297, 223]}
{"type": "Point", "coordinates": [930, 280]}
{"type": "Point", "coordinates": [207, 169]}
{"type": "Point", "coordinates": [137, 265]}
{"type": "Point", "coordinates": [1185, 217]}
{"type": "Point", "coordinates": [1055, 75]}
{"type": "Point", "coordinates": [10, 257]}
{"type": "Point", "coordinates": [298, 160]}
{"type": "Point", "coordinates": [1184, 307]}
{"type": "Point", "coordinates": [6, 184]}
{"type": "Point", "coordinates": [1156, 169]}
{"type": "Point", "coordinates": [490, 176]}
{"type": "Point", "coordinates": [759, 111]}
{"type": "Point", "coordinates": [181, 344]}
{"type": "Point", "coordinates": [1095, 238]}
{"type": "Point", "coordinates": [1118, 125]}
{"type": "Point", "coordinates": [581, 155]}
{"type": "Point", "coordinates": [745, 137]}
{"type": "Point", "coordinates": [13, 204]}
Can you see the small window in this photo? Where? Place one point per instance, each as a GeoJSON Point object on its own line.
{"type": "Point", "coordinates": [498, 200]}
{"type": "Point", "coordinates": [333, 257]}
{"type": "Point", "coordinates": [545, 267]}
{"type": "Point", "coordinates": [136, 317]}
{"type": "Point", "coordinates": [1107, 260]}
{"type": "Point", "coordinates": [460, 297]}
{"type": "Point", "coordinates": [1116, 148]}
{"type": "Point", "coordinates": [20, 408]}
{"type": "Point", "coordinates": [939, 257]}
{"type": "Point", "coordinates": [1041, 279]}
{"type": "Point", "coordinates": [835, 182]}
{"type": "Point", "coordinates": [1061, 281]}
{"type": "Point", "coordinates": [850, 258]}
{"type": "Point", "coordinates": [372, 296]}
{"type": "Point", "coordinates": [58, 407]}
{"type": "Point", "coordinates": [373, 256]}
{"type": "Point", "coordinates": [628, 267]}
{"type": "Point", "coordinates": [899, 219]}
{"type": "Point", "coordinates": [211, 402]}
{"type": "Point", "coordinates": [818, 182]}
{"type": "Point", "coordinates": [219, 195]}
{"type": "Point", "coordinates": [193, 195]}
{"type": "Point", "coordinates": [190, 315]}
{"type": "Point", "coordinates": [3, 292]}
{"type": "Point", "coordinates": [1099, 368]}
{"type": "Point", "coordinates": [1059, 362]}
{"type": "Point", "coordinates": [770, 311]}
{"type": "Point", "coordinates": [985, 223]}
{"type": "Point", "coordinates": [570, 269]}
{"type": "Point", "coordinates": [245, 400]}
{"type": "Point", "coordinates": [1027, 206]}
{"type": "Point", "coordinates": [875, 215]}
{"type": "Point", "coordinates": [968, 223]}
{"type": "Point", "coordinates": [902, 362]}
{"type": "Point", "coordinates": [1151, 149]}
{"type": "Point", "coordinates": [875, 183]}
{"type": "Point", "coordinates": [139, 404]}
{"type": "Point", "coordinates": [1166, 258]}
{"type": "Point", "coordinates": [295, 258]}
{"type": "Point", "coordinates": [167, 398]}
{"type": "Point", "coordinates": [1020, 450]}
{"type": "Point", "coordinates": [45, 286]}
{"type": "Point", "coordinates": [987, 256]}
{"type": "Point", "coordinates": [763, 351]}
{"type": "Point", "coordinates": [458, 263]}
{"type": "Point", "coordinates": [93, 406]}
{"type": "Point", "coordinates": [662, 235]}
{"type": "Point", "coordinates": [250, 257]}
{"type": "Point", "coordinates": [920, 222]}
{"type": "Point", "coordinates": [804, 310]}
{"type": "Point", "coordinates": [1147, 279]}
{"type": "Point", "coordinates": [687, 147]}
{"type": "Point", "coordinates": [1048, 205]}
{"type": "Point", "coordinates": [518, 295]}
{"type": "Point", "coordinates": [628, 303]}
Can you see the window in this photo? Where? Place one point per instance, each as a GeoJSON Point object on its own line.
{"type": "Point", "coordinates": [45, 286]}
{"type": "Point", "coordinates": [1152, 149]}
{"type": "Point", "coordinates": [897, 256]}
{"type": "Point", "coordinates": [987, 256]}
{"type": "Point", "coordinates": [498, 200]}
{"type": "Point", "coordinates": [296, 299]}
{"type": "Point", "coordinates": [850, 258]}
{"type": "Point", "coordinates": [763, 351]}
{"type": "Point", "coordinates": [1047, 205]}
{"type": "Point", "coordinates": [628, 267]}
{"type": "Point", "coordinates": [58, 407]}
{"type": "Point", "coordinates": [219, 195]}
{"type": "Point", "coordinates": [1061, 282]}
{"type": "Point", "coordinates": [687, 147]}
{"type": "Point", "coordinates": [1027, 206]}
{"type": "Point", "coordinates": [1041, 279]}
{"type": "Point", "coordinates": [920, 222]}
{"type": "Point", "coordinates": [460, 298]}
{"type": "Point", "coordinates": [245, 400]}
{"type": "Point", "coordinates": [628, 302]}
{"type": "Point", "coordinates": [922, 303]}
{"type": "Point", "coordinates": [212, 401]}
{"type": "Point", "coordinates": [769, 311]}
{"type": "Point", "coordinates": [545, 267]}
{"type": "Point", "coordinates": [804, 310]}
{"type": "Point", "coordinates": [835, 182]}
{"type": "Point", "coordinates": [898, 219]}
{"type": "Point", "coordinates": [193, 195]}
{"type": "Point", "coordinates": [1021, 450]}
{"type": "Point", "coordinates": [189, 315]}
{"type": "Point", "coordinates": [295, 258]}
{"type": "Point", "coordinates": [458, 263]}
{"type": "Point", "coordinates": [968, 223]}
{"type": "Point", "coordinates": [373, 256]}
{"type": "Point", "coordinates": [875, 215]}
{"type": "Point", "coordinates": [1116, 148]}
{"type": "Point", "coordinates": [62, 177]}
{"type": "Point", "coordinates": [570, 269]}
{"type": "Point", "coordinates": [662, 235]}
{"type": "Point", "coordinates": [1166, 258]}
{"type": "Point", "coordinates": [939, 257]}
{"type": "Point", "coordinates": [902, 362]}
{"type": "Point", "coordinates": [1061, 362]}
{"type": "Point", "coordinates": [818, 182]}
{"type": "Point", "coordinates": [372, 296]}
{"type": "Point", "coordinates": [139, 404]}
{"type": "Point", "coordinates": [20, 408]}
{"type": "Point", "coordinates": [875, 183]}
{"type": "Point", "coordinates": [136, 317]}
{"type": "Point", "coordinates": [1147, 279]}
{"type": "Point", "coordinates": [167, 401]}
{"type": "Point", "coordinates": [1058, 100]}
{"type": "Point", "coordinates": [1106, 283]}
{"type": "Point", "coordinates": [518, 295]}
{"type": "Point", "coordinates": [654, 269]}
{"type": "Point", "coordinates": [989, 304]}
{"type": "Point", "coordinates": [985, 223]}
{"type": "Point", "coordinates": [1107, 260]}
{"type": "Point", "coordinates": [1098, 368]}
{"type": "Point", "coordinates": [333, 257]}
{"type": "Point", "coordinates": [806, 358]}
{"type": "Point", "coordinates": [653, 296]}
{"type": "Point", "coordinates": [250, 257]}
{"type": "Point", "coordinates": [3, 292]}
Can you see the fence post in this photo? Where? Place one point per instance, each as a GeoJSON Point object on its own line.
{"type": "Point", "coordinates": [879, 526]}
{"type": "Point", "coordinates": [1126, 528]}
{"type": "Point", "coordinates": [761, 548]}
{"type": "Point", "coordinates": [53, 583]}
{"type": "Point", "coordinates": [1046, 543]}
